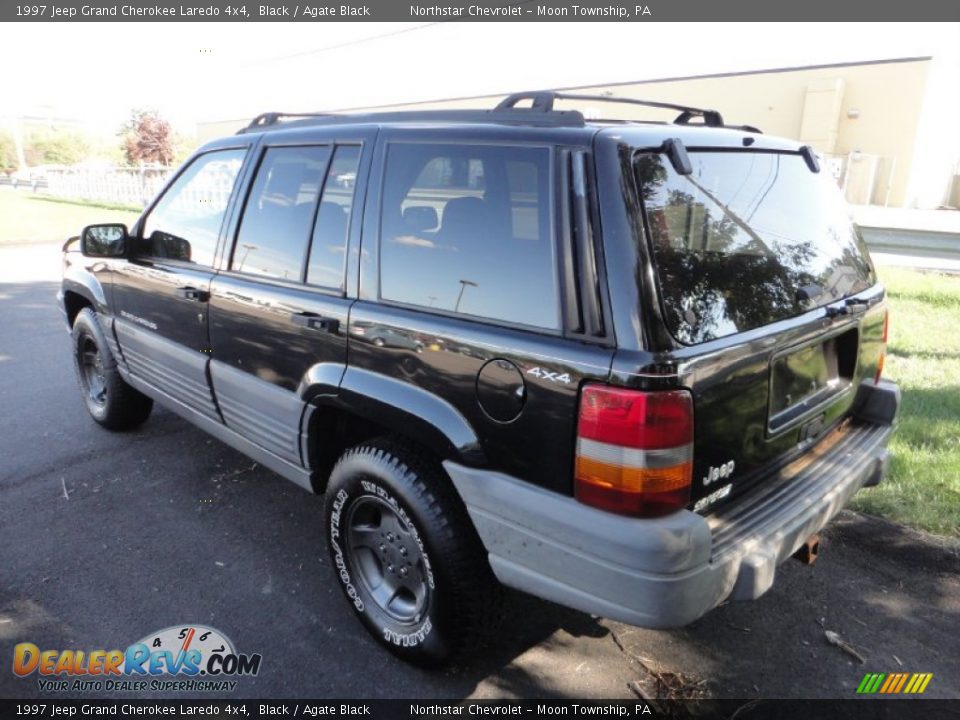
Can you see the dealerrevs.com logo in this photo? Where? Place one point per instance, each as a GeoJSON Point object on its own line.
{"type": "Point", "coordinates": [178, 658]}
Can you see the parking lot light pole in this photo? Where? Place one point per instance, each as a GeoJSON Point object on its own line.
{"type": "Point", "coordinates": [463, 286]}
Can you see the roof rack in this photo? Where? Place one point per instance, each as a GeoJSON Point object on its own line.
{"type": "Point", "coordinates": [540, 112]}
{"type": "Point", "coordinates": [518, 116]}
{"type": "Point", "coordinates": [543, 101]}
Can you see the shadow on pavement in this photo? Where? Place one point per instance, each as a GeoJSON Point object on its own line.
{"type": "Point", "coordinates": [106, 538]}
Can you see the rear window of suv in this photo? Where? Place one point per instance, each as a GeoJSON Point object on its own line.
{"type": "Point", "coordinates": [734, 241]}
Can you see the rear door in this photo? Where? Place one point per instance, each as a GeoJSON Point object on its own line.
{"type": "Point", "coordinates": [768, 294]}
{"type": "Point", "coordinates": [161, 294]}
{"type": "Point", "coordinates": [467, 290]}
{"type": "Point", "coordinates": [279, 307]}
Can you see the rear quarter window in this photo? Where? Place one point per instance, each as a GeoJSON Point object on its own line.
{"type": "Point", "coordinates": [466, 229]}
{"type": "Point", "coordinates": [735, 240]}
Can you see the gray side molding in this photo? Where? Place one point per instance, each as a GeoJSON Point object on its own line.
{"type": "Point", "coordinates": [221, 432]}
{"type": "Point", "coordinates": [265, 413]}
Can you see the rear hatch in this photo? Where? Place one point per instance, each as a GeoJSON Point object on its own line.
{"type": "Point", "coordinates": [768, 299]}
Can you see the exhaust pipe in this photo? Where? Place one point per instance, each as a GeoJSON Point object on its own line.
{"type": "Point", "coordinates": [807, 553]}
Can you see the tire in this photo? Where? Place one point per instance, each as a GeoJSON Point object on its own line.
{"type": "Point", "coordinates": [109, 400]}
{"type": "Point", "coordinates": [406, 554]}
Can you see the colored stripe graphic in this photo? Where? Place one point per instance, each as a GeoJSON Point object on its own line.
{"type": "Point", "coordinates": [894, 683]}
{"type": "Point", "coordinates": [903, 680]}
{"type": "Point", "coordinates": [890, 681]}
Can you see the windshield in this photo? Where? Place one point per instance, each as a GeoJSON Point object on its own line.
{"type": "Point", "coordinates": [748, 238]}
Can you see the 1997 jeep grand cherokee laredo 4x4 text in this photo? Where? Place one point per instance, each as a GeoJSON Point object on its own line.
{"type": "Point", "coordinates": [628, 367]}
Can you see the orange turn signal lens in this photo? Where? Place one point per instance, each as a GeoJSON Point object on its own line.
{"type": "Point", "coordinates": [633, 480]}
{"type": "Point", "coordinates": [643, 492]}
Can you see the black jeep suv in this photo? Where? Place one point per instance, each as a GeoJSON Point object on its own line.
{"type": "Point", "coordinates": [629, 367]}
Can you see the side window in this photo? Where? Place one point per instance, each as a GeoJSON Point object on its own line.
{"type": "Point", "coordinates": [466, 229]}
{"type": "Point", "coordinates": [276, 223]}
{"type": "Point", "coordinates": [329, 245]}
{"type": "Point", "coordinates": [185, 224]}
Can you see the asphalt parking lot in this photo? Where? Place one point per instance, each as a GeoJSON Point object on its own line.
{"type": "Point", "coordinates": [105, 538]}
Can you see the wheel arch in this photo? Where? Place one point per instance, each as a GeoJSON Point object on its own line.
{"type": "Point", "coordinates": [73, 303]}
{"type": "Point", "coordinates": [369, 405]}
{"type": "Point", "coordinates": [81, 289]}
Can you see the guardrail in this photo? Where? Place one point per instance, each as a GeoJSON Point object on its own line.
{"type": "Point", "coordinates": [912, 241]}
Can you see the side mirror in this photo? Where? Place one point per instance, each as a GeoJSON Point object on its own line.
{"type": "Point", "coordinates": [104, 240]}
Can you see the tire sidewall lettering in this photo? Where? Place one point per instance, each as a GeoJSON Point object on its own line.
{"type": "Point", "coordinates": [408, 639]}
{"type": "Point", "coordinates": [339, 560]}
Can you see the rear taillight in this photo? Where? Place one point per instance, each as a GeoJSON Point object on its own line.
{"type": "Point", "coordinates": [634, 450]}
{"type": "Point", "coordinates": [883, 351]}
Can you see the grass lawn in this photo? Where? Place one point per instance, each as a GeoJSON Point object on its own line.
{"type": "Point", "coordinates": [923, 488]}
{"type": "Point", "coordinates": [28, 218]}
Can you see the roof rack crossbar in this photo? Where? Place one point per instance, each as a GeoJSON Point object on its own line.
{"type": "Point", "coordinates": [543, 101]}
{"type": "Point", "coordinates": [272, 118]}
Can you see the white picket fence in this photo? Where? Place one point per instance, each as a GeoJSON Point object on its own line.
{"type": "Point", "coordinates": [128, 186]}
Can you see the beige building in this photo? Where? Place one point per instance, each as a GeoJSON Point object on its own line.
{"type": "Point", "coordinates": [887, 129]}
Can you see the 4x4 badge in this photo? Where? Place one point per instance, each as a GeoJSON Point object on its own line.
{"type": "Point", "coordinates": [539, 372]}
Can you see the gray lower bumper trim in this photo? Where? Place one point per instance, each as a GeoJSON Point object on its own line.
{"type": "Point", "coordinates": [660, 572]}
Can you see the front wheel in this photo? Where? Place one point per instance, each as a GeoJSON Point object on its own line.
{"type": "Point", "coordinates": [407, 555]}
{"type": "Point", "coordinates": [109, 399]}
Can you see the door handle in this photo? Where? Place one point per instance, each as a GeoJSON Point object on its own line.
{"type": "Point", "coordinates": [192, 293]}
{"type": "Point", "coordinates": [315, 322]}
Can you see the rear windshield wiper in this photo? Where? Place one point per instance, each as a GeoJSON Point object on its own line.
{"type": "Point", "coordinates": [848, 306]}
{"type": "Point", "coordinates": [810, 158]}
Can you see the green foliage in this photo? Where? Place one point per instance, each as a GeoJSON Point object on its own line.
{"type": "Point", "coordinates": [106, 148]}
{"type": "Point", "coordinates": [8, 153]}
{"type": "Point", "coordinates": [184, 145]}
{"type": "Point", "coordinates": [52, 146]}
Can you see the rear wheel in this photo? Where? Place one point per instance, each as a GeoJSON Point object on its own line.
{"type": "Point", "coordinates": [407, 555]}
{"type": "Point", "coordinates": [109, 399]}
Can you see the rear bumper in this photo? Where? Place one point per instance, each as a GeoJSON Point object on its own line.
{"type": "Point", "coordinates": [667, 572]}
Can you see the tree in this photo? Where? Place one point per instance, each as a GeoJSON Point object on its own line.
{"type": "Point", "coordinates": [148, 138]}
{"type": "Point", "coordinates": [183, 147]}
{"type": "Point", "coordinates": [8, 153]}
{"type": "Point", "coordinates": [54, 146]}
